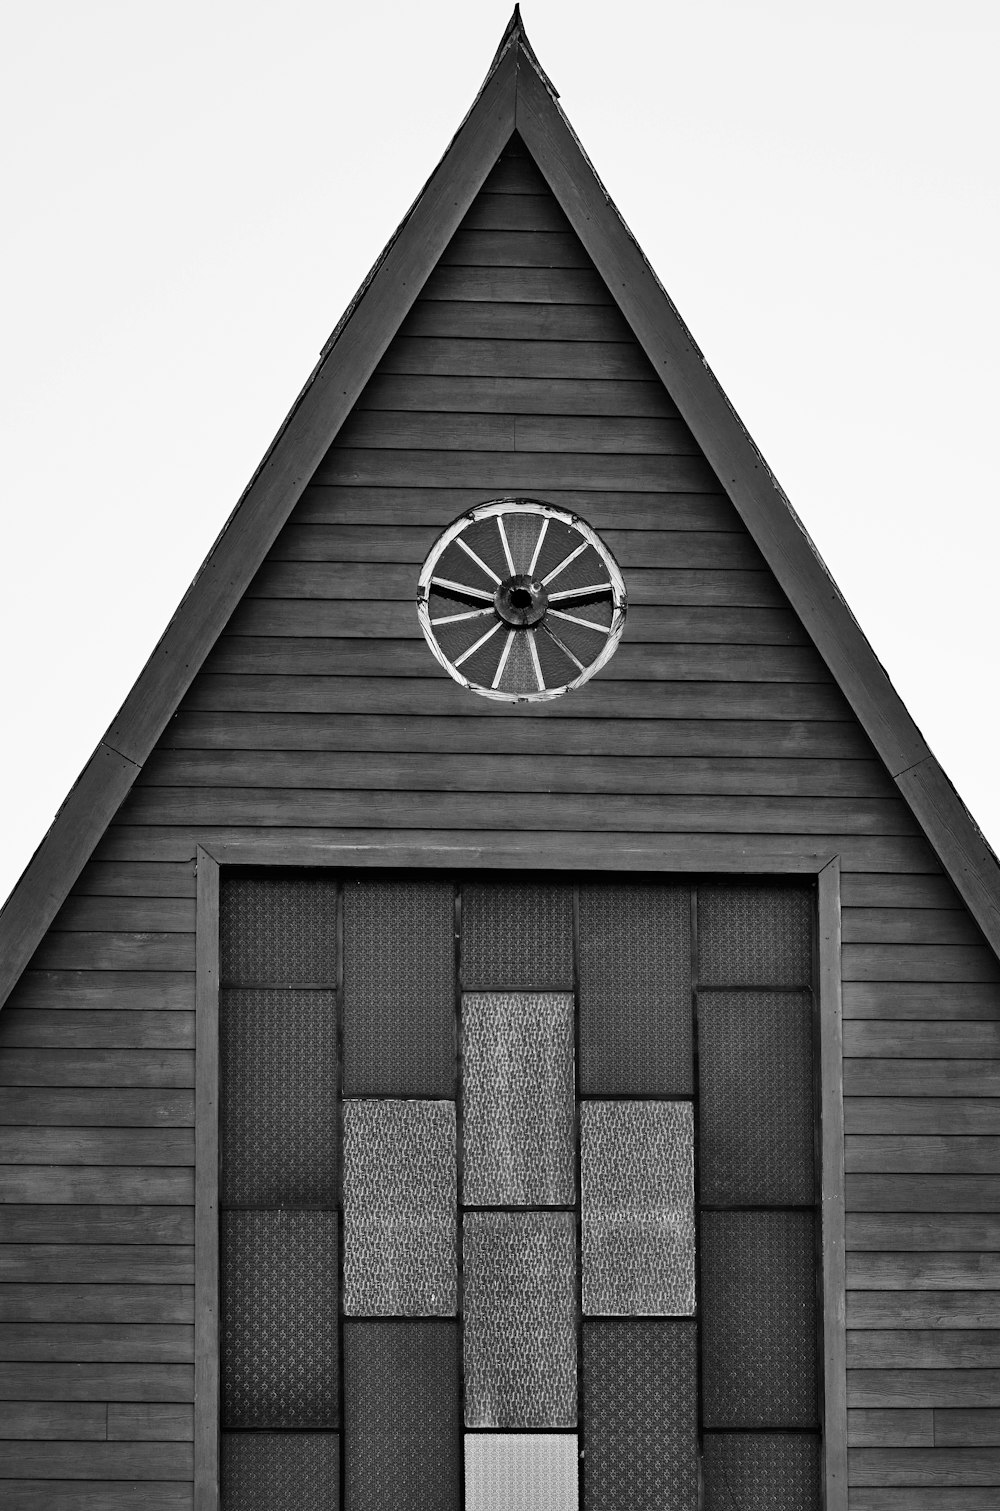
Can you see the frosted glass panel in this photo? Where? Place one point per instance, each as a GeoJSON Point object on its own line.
{"type": "Point", "coordinates": [517, 934]}
{"type": "Point", "coordinates": [637, 1178]}
{"type": "Point", "coordinates": [399, 1208]}
{"type": "Point", "coordinates": [763, 1471]}
{"type": "Point", "coordinates": [517, 1076]}
{"type": "Point", "coordinates": [519, 1473]}
{"type": "Point", "coordinates": [278, 1471]}
{"type": "Point", "coordinates": [520, 1319]}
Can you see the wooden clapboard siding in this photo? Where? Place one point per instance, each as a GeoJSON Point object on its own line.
{"type": "Point", "coordinates": [320, 720]}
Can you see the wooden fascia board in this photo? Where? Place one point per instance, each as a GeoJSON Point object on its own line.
{"type": "Point", "coordinates": [300, 445]}
{"type": "Point", "coordinates": [759, 500]}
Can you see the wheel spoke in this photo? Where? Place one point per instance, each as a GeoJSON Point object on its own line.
{"type": "Point", "coordinates": [588, 624]}
{"type": "Point", "coordinates": [503, 659]}
{"type": "Point", "coordinates": [506, 544]}
{"type": "Point", "coordinates": [564, 564]}
{"type": "Point", "coordinates": [533, 648]}
{"type": "Point", "coordinates": [460, 589]}
{"type": "Point", "coordinates": [592, 589]}
{"type": "Point", "coordinates": [538, 546]}
{"type": "Point", "coordinates": [563, 647]}
{"type": "Point", "coordinates": [477, 559]}
{"type": "Point", "coordinates": [481, 641]}
{"type": "Point", "coordinates": [469, 614]}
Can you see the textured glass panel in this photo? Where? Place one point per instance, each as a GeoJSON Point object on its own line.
{"type": "Point", "coordinates": [279, 1319]}
{"type": "Point", "coordinates": [637, 1178]}
{"type": "Point", "coordinates": [280, 1471]}
{"type": "Point", "coordinates": [635, 990]}
{"type": "Point", "coordinates": [640, 1403]}
{"type": "Point", "coordinates": [399, 1209]}
{"type": "Point", "coordinates": [756, 1113]}
{"type": "Point", "coordinates": [755, 936]}
{"type": "Point", "coordinates": [402, 1423]}
{"type": "Point", "coordinates": [518, 1100]}
{"type": "Point", "coordinates": [762, 1471]}
{"type": "Point", "coordinates": [517, 934]}
{"type": "Point", "coordinates": [758, 1297]}
{"type": "Point", "coordinates": [517, 1473]}
{"type": "Point", "coordinates": [399, 988]}
{"type": "Point", "coordinates": [279, 1102]}
{"type": "Point", "coordinates": [520, 1319]}
{"type": "Point", "coordinates": [278, 931]}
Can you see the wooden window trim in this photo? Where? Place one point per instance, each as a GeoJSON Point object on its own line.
{"type": "Point", "coordinates": [688, 860]}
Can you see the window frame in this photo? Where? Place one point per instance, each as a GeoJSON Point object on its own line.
{"type": "Point", "coordinates": [689, 861]}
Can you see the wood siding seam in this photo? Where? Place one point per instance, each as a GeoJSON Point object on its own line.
{"type": "Point", "coordinates": [832, 1187]}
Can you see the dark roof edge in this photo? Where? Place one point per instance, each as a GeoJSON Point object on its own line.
{"type": "Point", "coordinates": [525, 99]}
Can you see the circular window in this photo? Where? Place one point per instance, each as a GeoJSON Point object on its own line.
{"type": "Point", "coordinates": [521, 601]}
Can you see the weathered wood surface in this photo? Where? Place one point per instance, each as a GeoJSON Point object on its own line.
{"type": "Point", "coordinates": [97, 1495]}
{"type": "Point", "coordinates": [118, 1224]}
{"type": "Point", "coordinates": [102, 1264]}
{"type": "Point", "coordinates": [106, 1302]}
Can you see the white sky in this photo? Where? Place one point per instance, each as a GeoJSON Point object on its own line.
{"type": "Point", "coordinates": [193, 192]}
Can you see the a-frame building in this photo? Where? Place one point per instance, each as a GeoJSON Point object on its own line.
{"type": "Point", "coordinates": [416, 1097]}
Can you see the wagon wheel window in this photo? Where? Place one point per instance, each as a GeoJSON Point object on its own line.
{"type": "Point", "coordinates": [520, 601]}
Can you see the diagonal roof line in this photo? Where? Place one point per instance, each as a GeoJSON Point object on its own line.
{"type": "Point", "coordinates": [516, 94]}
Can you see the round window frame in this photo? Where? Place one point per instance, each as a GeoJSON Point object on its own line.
{"type": "Point", "coordinates": [523, 505]}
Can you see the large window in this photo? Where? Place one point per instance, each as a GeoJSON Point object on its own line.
{"type": "Point", "coordinates": [518, 1195]}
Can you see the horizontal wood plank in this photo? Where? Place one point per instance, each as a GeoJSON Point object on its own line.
{"type": "Point", "coordinates": [106, 1302]}
{"type": "Point", "coordinates": [920, 1233]}
{"type": "Point", "coordinates": [905, 926]}
{"type": "Point", "coordinates": [79, 1107]}
{"type": "Point", "coordinates": [62, 1420]}
{"type": "Point", "coordinates": [913, 1498]}
{"type": "Point", "coordinates": [907, 892]}
{"type": "Point", "coordinates": [40, 1028]}
{"type": "Point", "coordinates": [406, 772]}
{"type": "Point", "coordinates": [925, 1348]}
{"type": "Point", "coordinates": [514, 212]}
{"type": "Point", "coordinates": [471, 320]}
{"type": "Point", "coordinates": [918, 1078]}
{"type": "Point", "coordinates": [71, 1381]}
{"type": "Point", "coordinates": [293, 807]}
{"type": "Point", "coordinates": [96, 1342]}
{"type": "Point", "coordinates": [96, 1461]}
{"type": "Point", "coordinates": [498, 473]}
{"type": "Point", "coordinates": [922, 1115]}
{"type": "Point", "coordinates": [953, 1001]}
{"type": "Point", "coordinates": [451, 430]}
{"type": "Point", "coordinates": [777, 739]}
{"type": "Point", "coordinates": [600, 397]}
{"type": "Point", "coordinates": [61, 1225]}
{"type": "Point", "coordinates": [923, 1309]}
{"type": "Point", "coordinates": [516, 285]}
{"type": "Point", "coordinates": [915, 962]}
{"type": "Point", "coordinates": [935, 1466]}
{"type": "Point", "coordinates": [288, 656]}
{"type": "Point", "coordinates": [966, 1429]}
{"type": "Point", "coordinates": [955, 1153]}
{"type": "Point", "coordinates": [429, 356]}
{"type": "Point", "coordinates": [923, 1193]}
{"type": "Point", "coordinates": [104, 1265]}
{"type": "Point", "coordinates": [887, 1271]}
{"type": "Point", "coordinates": [97, 1067]}
{"type": "Point", "coordinates": [434, 508]}
{"type": "Point", "coordinates": [97, 1495]}
{"type": "Point", "coordinates": [96, 1146]}
{"type": "Point", "coordinates": [129, 991]}
{"type": "Point", "coordinates": [922, 1040]}
{"type": "Point", "coordinates": [887, 1387]}
{"type": "Point", "coordinates": [134, 880]}
{"type": "Point", "coordinates": [515, 249]}
{"type": "Point", "coordinates": [115, 952]}
{"type": "Point", "coordinates": [142, 1422]}
{"type": "Point", "coordinates": [160, 1184]}
{"type": "Point", "coordinates": [599, 699]}
{"type": "Point", "coordinates": [115, 914]}
{"type": "Point", "coordinates": [884, 1429]}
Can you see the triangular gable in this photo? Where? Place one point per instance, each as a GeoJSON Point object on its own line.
{"type": "Point", "coordinates": [516, 96]}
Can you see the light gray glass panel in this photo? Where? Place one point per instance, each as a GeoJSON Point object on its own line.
{"type": "Point", "coordinates": [399, 1208]}
{"type": "Point", "coordinates": [511, 1472]}
{"type": "Point", "coordinates": [637, 1179]}
{"type": "Point", "coordinates": [517, 1100]}
{"type": "Point", "coordinates": [520, 1319]}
